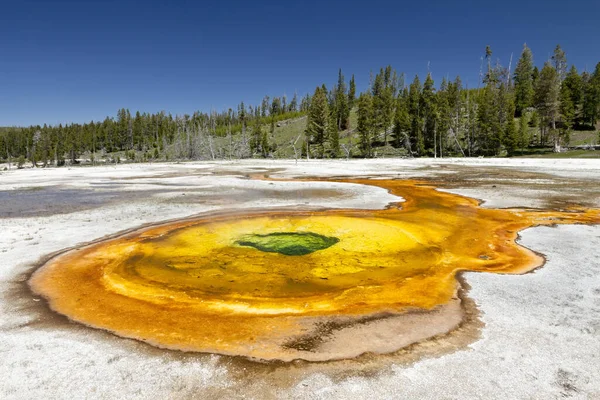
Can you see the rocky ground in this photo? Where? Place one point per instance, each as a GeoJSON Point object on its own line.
{"type": "Point", "coordinates": [533, 336]}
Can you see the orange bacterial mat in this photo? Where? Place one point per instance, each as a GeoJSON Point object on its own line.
{"type": "Point", "coordinates": [230, 284]}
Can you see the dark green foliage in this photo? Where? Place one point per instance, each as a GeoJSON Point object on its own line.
{"type": "Point", "coordinates": [264, 107]}
{"type": "Point", "coordinates": [256, 139]}
{"type": "Point", "coordinates": [377, 95]}
{"type": "Point", "coordinates": [567, 108]}
{"type": "Point", "coordinates": [416, 120]}
{"type": "Point", "coordinates": [495, 110]}
{"type": "Point", "coordinates": [524, 81]}
{"type": "Point", "coordinates": [317, 122]}
{"type": "Point", "coordinates": [276, 106]}
{"type": "Point", "coordinates": [352, 93]}
{"type": "Point", "coordinates": [523, 132]}
{"type": "Point", "coordinates": [341, 108]}
{"type": "Point", "coordinates": [535, 75]}
{"type": "Point", "coordinates": [591, 101]}
{"type": "Point", "coordinates": [401, 124]}
{"type": "Point", "coordinates": [511, 138]}
{"type": "Point", "coordinates": [293, 107]}
{"type": "Point", "coordinates": [333, 135]}
{"type": "Point", "coordinates": [547, 102]}
{"type": "Point", "coordinates": [534, 119]}
{"type": "Point", "coordinates": [305, 103]}
{"type": "Point", "coordinates": [288, 243]}
{"type": "Point", "coordinates": [365, 125]}
{"type": "Point", "coordinates": [574, 84]}
{"type": "Point", "coordinates": [444, 98]}
{"type": "Point", "coordinates": [428, 108]}
{"type": "Point", "coordinates": [383, 103]}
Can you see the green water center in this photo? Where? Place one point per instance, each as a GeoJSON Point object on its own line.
{"type": "Point", "coordinates": [288, 243]}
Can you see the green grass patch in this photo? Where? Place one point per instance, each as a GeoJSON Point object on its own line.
{"type": "Point", "coordinates": [579, 138]}
{"type": "Point", "coordinates": [548, 153]}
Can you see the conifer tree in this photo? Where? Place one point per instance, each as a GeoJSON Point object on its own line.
{"type": "Point", "coordinates": [402, 124]}
{"type": "Point", "coordinates": [123, 139]}
{"type": "Point", "coordinates": [416, 120]}
{"type": "Point", "coordinates": [138, 135]}
{"type": "Point", "coordinates": [459, 111]}
{"type": "Point", "coordinates": [377, 97]}
{"type": "Point", "coordinates": [574, 83]}
{"type": "Point", "coordinates": [485, 119]}
{"type": "Point", "coordinates": [387, 76]}
{"type": "Point", "coordinates": [494, 110]}
{"type": "Point", "coordinates": [276, 107]}
{"type": "Point", "coordinates": [365, 125]}
{"type": "Point", "coordinates": [488, 58]}
{"type": "Point", "coordinates": [567, 112]}
{"type": "Point", "coordinates": [547, 93]}
{"type": "Point", "coordinates": [352, 93]}
{"type": "Point", "coordinates": [305, 104]}
{"type": "Point", "coordinates": [389, 94]}
{"type": "Point", "coordinates": [591, 101]}
{"type": "Point", "coordinates": [506, 111]}
{"type": "Point", "coordinates": [535, 75]}
{"type": "Point", "coordinates": [341, 104]}
{"type": "Point", "coordinates": [257, 137]}
{"type": "Point", "coordinates": [395, 84]}
{"type": "Point", "coordinates": [523, 131]}
{"type": "Point", "coordinates": [523, 79]}
{"type": "Point", "coordinates": [333, 137]}
{"type": "Point", "coordinates": [317, 122]}
{"type": "Point", "coordinates": [444, 115]}
{"type": "Point", "coordinates": [559, 59]}
{"type": "Point", "coordinates": [429, 112]}
{"type": "Point", "coordinates": [383, 102]}
{"type": "Point", "coordinates": [388, 110]}
{"type": "Point", "coordinates": [242, 116]}
{"type": "Point", "coordinates": [265, 143]}
{"type": "Point", "coordinates": [264, 106]}
{"type": "Point", "coordinates": [511, 137]}
{"type": "Point", "coordinates": [294, 103]}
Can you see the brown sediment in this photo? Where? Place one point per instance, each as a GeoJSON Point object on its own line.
{"type": "Point", "coordinates": [285, 375]}
{"type": "Point", "coordinates": [551, 192]}
{"type": "Point", "coordinates": [389, 283]}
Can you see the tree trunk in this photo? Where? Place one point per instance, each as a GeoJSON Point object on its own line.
{"type": "Point", "coordinates": [441, 146]}
{"type": "Point", "coordinates": [434, 142]}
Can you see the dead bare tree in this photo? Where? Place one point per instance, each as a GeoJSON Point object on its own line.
{"type": "Point", "coordinates": [347, 147]}
{"type": "Point", "coordinates": [509, 66]}
{"type": "Point", "coordinates": [434, 140]}
{"type": "Point", "coordinates": [8, 154]}
{"type": "Point", "coordinates": [36, 139]}
{"type": "Point", "coordinates": [407, 144]}
{"type": "Point", "coordinates": [204, 142]}
{"type": "Point", "coordinates": [451, 131]}
{"type": "Point", "coordinates": [293, 144]}
{"type": "Point", "coordinates": [242, 146]}
{"type": "Point", "coordinates": [230, 137]}
{"type": "Point", "coordinates": [211, 146]}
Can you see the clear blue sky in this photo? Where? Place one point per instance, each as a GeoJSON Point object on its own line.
{"type": "Point", "coordinates": [74, 61]}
